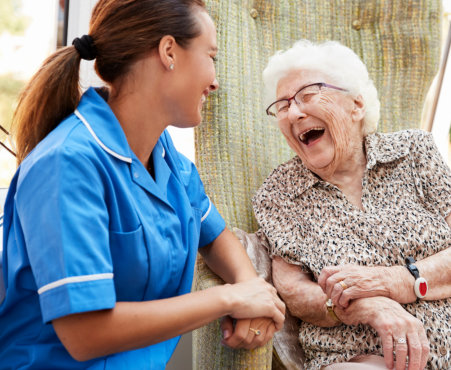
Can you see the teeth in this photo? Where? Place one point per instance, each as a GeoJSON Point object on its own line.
{"type": "Point", "coordinates": [302, 136]}
{"type": "Point", "coordinates": [203, 99]}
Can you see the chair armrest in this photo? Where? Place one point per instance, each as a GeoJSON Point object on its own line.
{"type": "Point", "coordinates": [208, 352]}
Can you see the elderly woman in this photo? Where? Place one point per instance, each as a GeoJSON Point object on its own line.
{"type": "Point", "coordinates": [358, 222]}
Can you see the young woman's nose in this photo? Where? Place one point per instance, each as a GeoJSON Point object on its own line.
{"type": "Point", "coordinates": [214, 86]}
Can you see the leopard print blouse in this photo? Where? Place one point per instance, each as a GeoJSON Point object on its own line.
{"type": "Point", "coordinates": [406, 197]}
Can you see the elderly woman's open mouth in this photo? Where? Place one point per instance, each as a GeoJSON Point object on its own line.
{"type": "Point", "coordinates": [311, 135]}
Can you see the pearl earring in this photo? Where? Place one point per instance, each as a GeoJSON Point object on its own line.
{"type": "Point", "coordinates": [171, 66]}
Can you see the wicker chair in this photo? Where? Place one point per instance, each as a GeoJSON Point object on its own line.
{"type": "Point", "coordinates": [237, 146]}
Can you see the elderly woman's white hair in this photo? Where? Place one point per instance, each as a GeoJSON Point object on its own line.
{"type": "Point", "coordinates": [338, 62]}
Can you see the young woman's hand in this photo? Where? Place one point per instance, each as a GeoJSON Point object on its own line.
{"type": "Point", "coordinates": [255, 298]}
{"type": "Point", "coordinates": [247, 333]}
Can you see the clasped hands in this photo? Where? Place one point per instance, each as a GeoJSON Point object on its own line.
{"type": "Point", "coordinates": [256, 316]}
{"type": "Point", "coordinates": [367, 295]}
{"type": "Point", "coordinates": [247, 333]}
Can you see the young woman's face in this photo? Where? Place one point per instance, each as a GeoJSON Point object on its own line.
{"type": "Point", "coordinates": [195, 73]}
{"type": "Point", "coordinates": [323, 129]}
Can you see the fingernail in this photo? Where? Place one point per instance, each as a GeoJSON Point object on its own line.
{"type": "Point", "coordinates": [226, 334]}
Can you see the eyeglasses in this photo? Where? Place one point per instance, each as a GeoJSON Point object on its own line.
{"type": "Point", "coordinates": [304, 95]}
{"type": "Point", "coordinates": [5, 136]}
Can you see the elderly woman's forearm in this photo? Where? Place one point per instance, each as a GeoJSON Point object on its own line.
{"type": "Point", "coordinates": [307, 302]}
{"type": "Point", "coordinates": [303, 297]}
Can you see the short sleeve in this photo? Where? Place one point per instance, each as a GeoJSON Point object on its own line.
{"type": "Point", "coordinates": [212, 223]}
{"type": "Point", "coordinates": [61, 206]}
{"type": "Point", "coordinates": [433, 176]}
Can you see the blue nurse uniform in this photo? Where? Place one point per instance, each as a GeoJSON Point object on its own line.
{"type": "Point", "coordinates": [86, 226]}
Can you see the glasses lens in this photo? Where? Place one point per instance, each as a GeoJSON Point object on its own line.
{"type": "Point", "coordinates": [307, 93]}
{"type": "Point", "coordinates": [277, 107]}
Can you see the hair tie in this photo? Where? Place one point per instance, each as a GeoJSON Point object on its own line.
{"type": "Point", "coordinates": [85, 47]}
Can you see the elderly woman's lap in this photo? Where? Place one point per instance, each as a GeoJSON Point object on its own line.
{"type": "Point", "coordinates": [370, 362]}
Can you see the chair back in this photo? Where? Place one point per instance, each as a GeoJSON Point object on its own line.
{"type": "Point", "coordinates": [237, 146]}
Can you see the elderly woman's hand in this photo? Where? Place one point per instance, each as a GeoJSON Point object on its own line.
{"type": "Point", "coordinates": [401, 333]}
{"type": "Point", "coordinates": [247, 333]}
{"type": "Point", "coordinates": [347, 282]}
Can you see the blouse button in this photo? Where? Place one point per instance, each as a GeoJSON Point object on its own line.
{"type": "Point", "coordinates": [443, 351]}
{"type": "Point", "coordinates": [254, 13]}
{"type": "Point", "coordinates": [357, 24]}
{"type": "Point", "coordinates": [136, 175]}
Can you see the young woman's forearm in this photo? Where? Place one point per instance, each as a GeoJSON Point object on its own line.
{"type": "Point", "coordinates": [228, 259]}
{"type": "Point", "coordinates": [131, 325]}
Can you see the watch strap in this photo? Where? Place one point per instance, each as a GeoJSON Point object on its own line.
{"type": "Point", "coordinates": [410, 264]}
{"type": "Point", "coordinates": [420, 286]}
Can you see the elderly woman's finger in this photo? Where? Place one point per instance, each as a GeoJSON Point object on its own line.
{"type": "Point", "coordinates": [387, 347]}
{"type": "Point", "coordinates": [415, 351]}
{"type": "Point", "coordinates": [401, 351]}
{"type": "Point", "coordinates": [326, 272]}
{"type": "Point", "coordinates": [424, 348]}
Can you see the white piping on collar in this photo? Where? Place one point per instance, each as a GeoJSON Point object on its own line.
{"type": "Point", "coordinates": [104, 147]}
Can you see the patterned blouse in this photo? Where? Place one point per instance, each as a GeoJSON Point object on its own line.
{"type": "Point", "coordinates": [406, 197]}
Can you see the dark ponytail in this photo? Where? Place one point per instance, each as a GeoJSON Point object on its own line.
{"type": "Point", "coordinates": [52, 94]}
{"type": "Point", "coordinates": [122, 32]}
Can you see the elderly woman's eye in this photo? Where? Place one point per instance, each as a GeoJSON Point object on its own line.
{"type": "Point", "coordinates": [282, 108]}
{"type": "Point", "coordinates": [308, 96]}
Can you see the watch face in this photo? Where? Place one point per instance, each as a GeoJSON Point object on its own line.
{"type": "Point", "coordinates": [421, 287]}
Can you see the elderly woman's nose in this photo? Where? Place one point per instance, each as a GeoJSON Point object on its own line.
{"type": "Point", "coordinates": [296, 111]}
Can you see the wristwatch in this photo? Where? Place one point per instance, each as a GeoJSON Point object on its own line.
{"type": "Point", "coordinates": [330, 310]}
{"type": "Point", "coordinates": [421, 285]}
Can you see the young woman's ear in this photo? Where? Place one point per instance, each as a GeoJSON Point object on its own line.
{"type": "Point", "coordinates": [359, 109]}
{"type": "Point", "coordinates": [166, 50]}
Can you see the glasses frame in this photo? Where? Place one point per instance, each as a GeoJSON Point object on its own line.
{"type": "Point", "coordinates": [319, 84]}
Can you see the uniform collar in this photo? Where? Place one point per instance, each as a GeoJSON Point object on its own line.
{"type": "Point", "coordinates": [103, 125]}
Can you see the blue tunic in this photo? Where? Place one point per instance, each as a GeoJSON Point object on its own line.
{"type": "Point", "coordinates": [86, 226]}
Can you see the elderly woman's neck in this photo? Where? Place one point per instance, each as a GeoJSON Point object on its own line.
{"type": "Point", "coordinates": [348, 176]}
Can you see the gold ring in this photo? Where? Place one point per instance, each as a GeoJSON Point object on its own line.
{"type": "Point", "coordinates": [255, 331]}
{"type": "Point", "coordinates": [343, 285]}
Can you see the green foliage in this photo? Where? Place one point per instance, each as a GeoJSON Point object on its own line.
{"type": "Point", "coordinates": [11, 19]}
{"type": "Point", "coordinates": [9, 92]}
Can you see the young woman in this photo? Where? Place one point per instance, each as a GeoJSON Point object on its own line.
{"type": "Point", "coordinates": [104, 218]}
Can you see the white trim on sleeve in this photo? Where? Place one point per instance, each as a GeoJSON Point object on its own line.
{"type": "Point", "coordinates": [208, 211]}
{"type": "Point", "coordinates": [104, 147]}
{"type": "Point", "coordinates": [74, 279]}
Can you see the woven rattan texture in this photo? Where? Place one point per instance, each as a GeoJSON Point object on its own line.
{"type": "Point", "coordinates": [209, 353]}
{"type": "Point", "coordinates": [237, 145]}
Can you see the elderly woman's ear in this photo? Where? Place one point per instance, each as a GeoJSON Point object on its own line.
{"type": "Point", "coordinates": [358, 113]}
